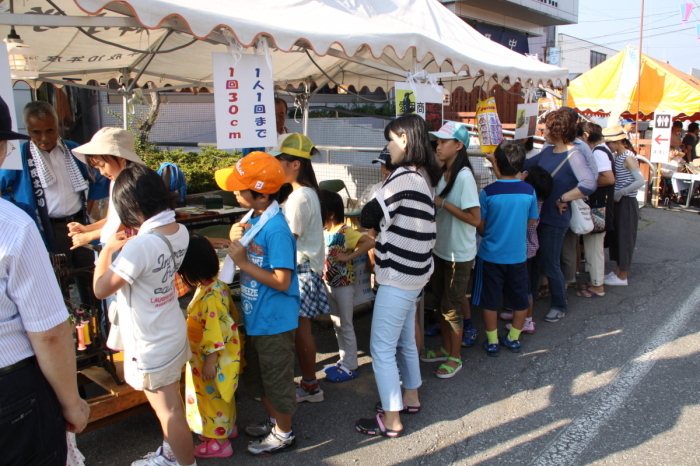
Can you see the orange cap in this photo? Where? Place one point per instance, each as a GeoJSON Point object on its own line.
{"type": "Point", "coordinates": [258, 171]}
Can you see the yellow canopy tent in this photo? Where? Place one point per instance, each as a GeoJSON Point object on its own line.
{"type": "Point", "coordinates": [611, 88]}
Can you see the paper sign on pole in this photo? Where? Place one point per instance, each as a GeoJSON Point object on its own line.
{"type": "Point", "coordinates": [244, 102]}
{"type": "Point", "coordinates": [661, 137]}
{"type": "Point", "coordinates": [13, 161]}
{"type": "Point", "coordinates": [422, 99]}
{"type": "Point", "coordinates": [526, 121]}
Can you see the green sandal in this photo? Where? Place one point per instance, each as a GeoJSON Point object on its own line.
{"type": "Point", "coordinates": [451, 371]}
{"type": "Point", "coordinates": [432, 356]}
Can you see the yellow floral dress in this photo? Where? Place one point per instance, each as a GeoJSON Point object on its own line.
{"type": "Point", "coordinates": [212, 325]}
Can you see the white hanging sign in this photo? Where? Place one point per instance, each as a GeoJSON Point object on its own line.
{"type": "Point", "coordinates": [526, 121]}
{"type": "Point", "coordinates": [244, 102]}
{"type": "Point", "coordinates": [13, 161]}
{"type": "Point", "coordinates": [422, 99]}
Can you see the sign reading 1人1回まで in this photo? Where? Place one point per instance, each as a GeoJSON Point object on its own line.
{"type": "Point", "coordinates": [244, 101]}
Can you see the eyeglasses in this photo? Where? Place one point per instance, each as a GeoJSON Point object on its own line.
{"type": "Point", "coordinates": [6, 147]}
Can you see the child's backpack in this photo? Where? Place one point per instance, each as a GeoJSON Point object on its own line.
{"type": "Point", "coordinates": [174, 179]}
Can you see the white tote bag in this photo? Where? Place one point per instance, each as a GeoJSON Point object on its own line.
{"type": "Point", "coordinates": [581, 221]}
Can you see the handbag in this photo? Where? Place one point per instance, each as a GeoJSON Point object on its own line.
{"type": "Point", "coordinates": [581, 222]}
{"type": "Point", "coordinates": [598, 217]}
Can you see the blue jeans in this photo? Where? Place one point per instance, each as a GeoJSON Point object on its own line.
{"type": "Point", "coordinates": [549, 261]}
{"type": "Point", "coordinates": [393, 344]}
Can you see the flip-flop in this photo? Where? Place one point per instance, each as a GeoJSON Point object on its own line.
{"type": "Point", "coordinates": [583, 286]}
{"type": "Point", "coordinates": [588, 293]}
{"type": "Point", "coordinates": [375, 427]}
{"type": "Point", "coordinates": [451, 371]}
{"type": "Point", "coordinates": [543, 292]}
{"type": "Point", "coordinates": [432, 356]}
{"type": "Point", "coordinates": [406, 409]}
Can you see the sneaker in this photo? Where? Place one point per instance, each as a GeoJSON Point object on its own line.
{"type": "Point", "coordinates": [311, 393]}
{"type": "Point", "coordinates": [273, 443]}
{"type": "Point", "coordinates": [260, 430]}
{"type": "Point", "coordinates": [611, 274]}
{"type": "Point", "coordinates": [155, 458]}
{"type": "Point", "coordinates": [528, 327]}
{"type": "Point", "coordinates": [513, 345]}
{"type": "Point", "coordinates": [433, 331]}
{"type": "Point", "coordinates": [339, 373]}
{"type": "Point", "coordinates": [554, 316]}
{"type": "Point", "coordinates": [492, 349]}
{"type": "Point", "coordinates": [469, 336]}
{"type": "Point", "coordinates": [615, 281]}
{"type": "Point", "coordinates": [506, 315]}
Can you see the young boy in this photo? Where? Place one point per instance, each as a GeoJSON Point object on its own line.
{"type": "Point", "coordinates": [508, 208]}
{"type": "Point", "coordinates": [269, 296]}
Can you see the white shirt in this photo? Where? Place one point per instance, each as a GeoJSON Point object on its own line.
{"type": "Point", "coordinates": [30, 300]}
{"type": "Point", "coordinates": [113, 221]}
{"type": "Point", "coordinates": [61, 199]}
{"type": "Point", "coordinates": [456, 240]}
{"type": "Point", "coordinates": [303, 213]}
{"type": "Point", "coordinates": [153, 327]}
{"type": "Point", "coordinates": [602, 159]}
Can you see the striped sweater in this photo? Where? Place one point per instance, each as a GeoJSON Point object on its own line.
{"type": "Point", "coordinates": [405, 242]}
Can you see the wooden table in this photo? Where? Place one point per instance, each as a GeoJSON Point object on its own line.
{"type": "Point", "coordinates": [227, 215]}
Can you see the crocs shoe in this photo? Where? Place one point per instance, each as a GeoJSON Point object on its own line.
{"type": "Point", "coordinates": [513, 345]}
{"type": "Point", "coordinates": [492, 349]}
{"type": "Point", "coordinates": [339, 374]}
{"type": "Point", "coordinates": [469, 336]}
{"type": "Point", "coordinates": [212, 449]}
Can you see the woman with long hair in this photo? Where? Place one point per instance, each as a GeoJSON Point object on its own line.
{"type": "Point", "coordinates": [403, 214]}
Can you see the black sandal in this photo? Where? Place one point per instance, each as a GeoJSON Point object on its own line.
{"type": "Point", "coordinates": [375, 426]}
{"type": "Point", "coordinates": [405, 410]}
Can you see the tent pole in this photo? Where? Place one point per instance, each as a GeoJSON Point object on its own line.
{"type": "Point", "coordinates": [125, 113]}
{"type": "Point", "coordinates": [307, 87]}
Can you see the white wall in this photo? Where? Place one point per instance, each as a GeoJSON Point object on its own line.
{"type": "Point", "coordinates": [576, 53]}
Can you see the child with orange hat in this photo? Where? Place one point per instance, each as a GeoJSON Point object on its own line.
{"type": "Point", "coordinates": [269, 295]}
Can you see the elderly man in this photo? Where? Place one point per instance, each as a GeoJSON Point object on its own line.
{"type": "Point", "coordinates": [38, 384]}
{"type": "Point", "coordinates": [52, 187]}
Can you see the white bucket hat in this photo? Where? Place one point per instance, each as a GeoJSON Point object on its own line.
{"type": "Point", "coordinates": [110, 141]}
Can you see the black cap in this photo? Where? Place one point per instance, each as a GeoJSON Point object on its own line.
{"type": "Point", "coordinates": [6, 124]}
{"type": "Point", "coordinates": [383, 156]}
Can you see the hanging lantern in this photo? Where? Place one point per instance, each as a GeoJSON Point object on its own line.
{"type": "Point", "coordinates": [23, 61]}
{"type": "Point", "coordinates": [686, 8]}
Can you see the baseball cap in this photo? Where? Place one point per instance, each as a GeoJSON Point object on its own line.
{"type": "Point", "coordinates": [614, 133]}
{"type": "Point", "coordinates": [627, 120]}
{"type": "Point", "coordinates": [258, 171]}
{"type": "Point", "coordinates": [6, 124]}
{"type": "Point", "coordinates": [110, 141]}
{"type": "Point", "coordinates": [452, 130]}
{"type": "Point", "coordinates": [383, 156]}
{"type": "Point", "coordinates": [297, 145]}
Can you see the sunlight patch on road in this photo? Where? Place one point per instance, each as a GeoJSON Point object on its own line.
{"type": "Point", "coordinates": [682, 347]}
{"type": "Point", "coordinates": [614, 332]}
{"type": "Point", "coordinates": [590, 381]}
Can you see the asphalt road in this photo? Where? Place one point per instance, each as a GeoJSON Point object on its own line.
{"type": "Point", "coordinates": [614, 382]}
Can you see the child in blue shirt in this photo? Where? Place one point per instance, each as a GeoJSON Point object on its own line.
{"type": "Point", "coordinates": [508, 208]}
{"type": "Point", "coordinates": [269, 296]}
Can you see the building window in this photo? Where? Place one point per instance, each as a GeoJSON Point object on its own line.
{"type": "Point", "coordinates": [597, 58]}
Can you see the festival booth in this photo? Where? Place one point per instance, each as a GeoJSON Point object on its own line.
{"type": "Point", "coordinates": [163, 45]}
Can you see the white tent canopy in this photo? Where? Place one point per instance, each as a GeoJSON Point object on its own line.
{"type": "Point", "coordinates": [363, 43]}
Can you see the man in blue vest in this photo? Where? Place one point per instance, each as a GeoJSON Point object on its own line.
{"type": "Point", "coordinates": [53, 187]}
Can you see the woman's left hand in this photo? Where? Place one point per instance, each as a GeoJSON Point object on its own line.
{"type": "Point", "coordinates": [561, 206]}
{"type": "Point", "coordinates": [438, 201]}
{"type": "Point", "coordinates": [116, 241]}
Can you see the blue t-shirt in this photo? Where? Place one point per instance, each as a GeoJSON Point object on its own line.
{"type": "Point", "coordinates": [506, 205]}
{"type": "Point", "coordinates": [269, 311]}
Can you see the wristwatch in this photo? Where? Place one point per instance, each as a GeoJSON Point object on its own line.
{"type": "Point", "coordinates": [561, 199]}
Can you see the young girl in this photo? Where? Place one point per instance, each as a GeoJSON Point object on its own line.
{"type": "Point", "coordinates": [153, 331]}
{"type": "Point", "coordinates": [305, 217]}
{"type": "Point", "coordinates": [343, 245]}
{"type": "Point", "coordinates": [110, 151]}
{"type": "Point", "coordinates": [403, 213]}
{"type": "Point", "coordinates": [458, 214]}
{"type": "Point", "coordinates": [213, 369]}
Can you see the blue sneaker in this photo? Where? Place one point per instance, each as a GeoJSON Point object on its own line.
{"type": "Point", "coordinates": [513, 345]}
{"type": "Point", "coordinates": [469, 336]}
{"type": "Point", "coordinates": [492, 349]}
{"type": "Point", "coordinates": [338, 374]}
{"type": "Point", "coordinates": [433, 331]}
